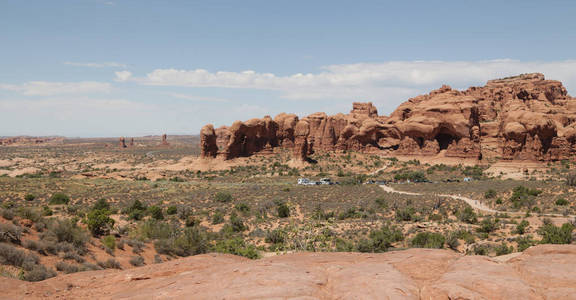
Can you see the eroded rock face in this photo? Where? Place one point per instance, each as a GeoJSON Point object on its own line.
{"type": "Point", "coordinates": [541, 272]}
{"type": "Point", "coordinates": [522, 117]}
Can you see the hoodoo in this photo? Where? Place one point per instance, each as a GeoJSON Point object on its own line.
{"type": "Point", "coordinates": [524, 117]}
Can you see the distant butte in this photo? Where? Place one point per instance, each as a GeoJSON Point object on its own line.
{"type": "Point", "coordinates": [524, 117]}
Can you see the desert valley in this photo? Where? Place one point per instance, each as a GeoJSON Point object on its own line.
{"type": "Point", "coordinates": [458, 194]}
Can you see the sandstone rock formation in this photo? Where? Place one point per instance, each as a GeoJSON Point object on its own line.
{"type": "Point", "coordinates": [541, 272]}
{"type": "Point", "coordinates": [524, 117]}
{"type": "Point", "coordinates": [164, 140]}
{"type": "Point", "coordinates": [122, 142]}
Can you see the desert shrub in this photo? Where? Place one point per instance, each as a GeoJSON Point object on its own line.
{"type": "Point", "coordinates": [523, 196]}
{"type": "Point", "coordinates": [101, 204]}
{"type": "Point", "coordinates": [556, 235]}
{"type": "Point", "coordinates": [467, 215]}
{"type": "Point", "coordinates": [452, 241]}
{"type": "Point", "coordinates": [218, 217]}
{"type": "Point", "coordinates": [428, 240]}
{"type": "Point", "coordinates": [66, 231]}
{"type": "Point", "coordinates": [10, 233]}
{"type": "Point", "coordinates": [489, 194]}
{"type": "Point", "coordinates": [283, 210]}
{"type": "Point", "coordinates": [242, 207]}
{"type": "Point", "coordinates": [476, 172]}
{"type": "Point", "coordinates": [99, 221]}
{"type": "Point", "coordinates": [109, 241]}
{"type": "Point", "coordinates": [236, 223]}
{"type": "Point", "coordinates": [487, 225]}
{"type": "Point", "coordinates": [29, 214]}
{"type": "Point", "coordinates": [562, 202]}
{"type": "Point", "coordinates": [29, 197]}
{"type": "Point", "coordinates": [524, 242]}
{"type": "Point", "coordinates": [172, 210]}
{"type": "Point", "coordinates": [352, 213]}
{"type": "Point", "coordinates": [10, 255]}
{"type": "Point", "coordinates": [236, 246]}
{"type": "Point", "coordinates": [158, 259]}
{"type": "Point", "coordinates": [483, 249]}
{"type": "Point", "coordinates": [571, 179]}
{"type": "Point", "coordinates": [8, 214]}
{"type": "Point", "coordinates": [414, 176]}
{"type": "Point", "coordinates": [67, 268]}
{"type": "Point", "coordinates": [406, 214]}
{"type": "Point", "coordinates": [223, 197]}
{"type": "Point", "coordinates": [276, 236]}
{"type": "Point", "coordinates": [190, 241]}
{"type": "Point", "coordinates": [137, 246]}
{"type": "Point", "coordinates": [47, 211]}
{"type": "Point", "coordinates": [59, 198]}
{"type": "Point", "coordinates": [156, 212]}
{"type": "Point", "coordinates": [154, 229]}
{"type": "Point", "coordinates": [137, 261]}
{"type": "Point", "coordinates": [74, 256]}
{"type": "Point", "coordinates": [136, 211]}
{"type": "Point", "coordinates": [109, 264]}
{"type": "Point", "coordinates": [521, 227]}
{"type": "Point", "coordinates": [381, 240]}
{"type": "Point", "coordinates": [502, 249]}
{"type": "Point", "coordinates": [31, 245]}
{"type": "Point", "coordinates": [38, 273]}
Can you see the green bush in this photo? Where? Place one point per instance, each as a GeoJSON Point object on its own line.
{"type": "Point", "coordinates": [109, 241]}
{"type": "Point", "coordinates": [66, 231]}
{"type": "Point", "coordinates": [489, 194]}
{"type": "Point", "coordinates": [156, 212]}
{"type": "Point", "coordinates": [428, 240]}
{"type": "Point", "coordinates": [381, 240]}
{"type": "Point", "coordinates": [223, 197]}
{"type": "Point", "coordinates": [99, 222]}
{"type": "Point", "coordinates": [283, 210]}
{"type": "Point", "coordinates": [414, 176]}
{"type": "Point", "coordinates": [556, 235]}
{"type": "Point", "coordinates": [190, 241]}
{"type": "Point", "coordinates": [242, 207]}
{"type": "Point", "coordinates": [101, 204]}
{"type": "Point", "coordinates": [29, 197]}
{"type": "Point", "coordinates": [521, 227]}
{"type": "Point", "coordinates": [467, 215]}
{"type": "Point", "coordinates": [562, 202]}
{"type": "Point", "coordinates": [236, 246]}
{"type": "Point", "coordinates": [502, 249]}
{"type": "Point", "coordinates": [59, 198]}
{"type": "Point", "coordinates": [406, 214]}
{"type": "Point", "coordinates": [523, 196]}
{"type": "Point", "coordinates": [524, 242]}
{"type": "Point", "coordinates": [487, 225]}
{"type": "Point", "coordinates": [276, 236]}
{"type": "Point", "coordinates": [172, 210]}
{"type": "Point", "coordinates": [218, 217]}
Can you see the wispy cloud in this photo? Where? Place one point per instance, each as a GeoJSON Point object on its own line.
{"type": "Point", "coordinates": [377, 81]}
{"type": "Point", "coordinates": [198, 98]}
{"type": "Point", "coordinates": [46, 88]}
{"type": "Point", "coordinates": [96, 64]}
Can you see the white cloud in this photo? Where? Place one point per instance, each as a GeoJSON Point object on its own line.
{"type": "Point", "coordinates": [45, 88]}
{"type": "Point", "coordinates": [372, 81]}
{"type": "Point", "coordinates": [198, 98]}
{"type": "Point", "coordinates": [123, 75]}
{"type": "Point", "coordinates": [96, 65]}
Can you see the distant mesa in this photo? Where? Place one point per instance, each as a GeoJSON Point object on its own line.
{"type": "Point", "coordinates": [524, 117]}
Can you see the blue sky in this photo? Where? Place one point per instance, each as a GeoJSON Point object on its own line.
{"type": "Point", "coordinates": [139, 67]}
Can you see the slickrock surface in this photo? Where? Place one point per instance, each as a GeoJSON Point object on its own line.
{"type": "Point", "coordinates": [541, 272]}
{"type": "Point", "coordinates": [524, 117]}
